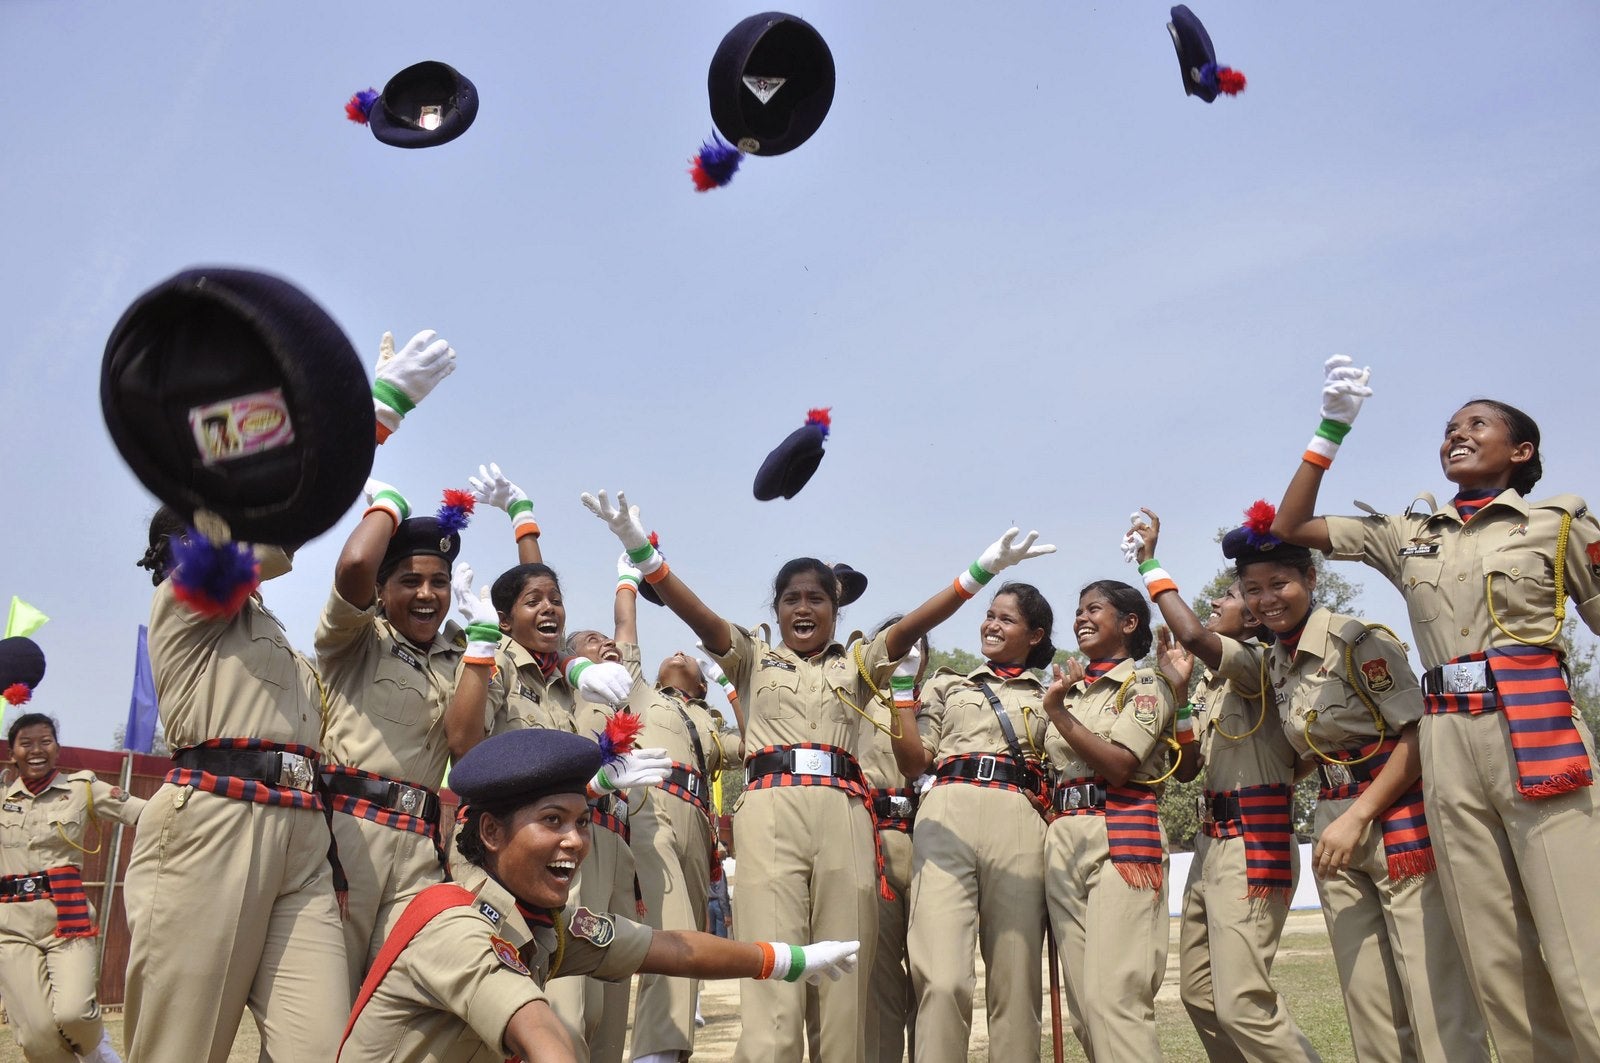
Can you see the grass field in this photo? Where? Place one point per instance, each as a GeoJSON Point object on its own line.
{"type": "Point", "coordinates": [1304, 973]}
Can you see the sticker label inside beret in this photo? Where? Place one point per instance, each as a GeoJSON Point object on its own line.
{"type": "Point", "coordinates": [764, 88]}
{"type": "Point", "coordinates": [237, 428]}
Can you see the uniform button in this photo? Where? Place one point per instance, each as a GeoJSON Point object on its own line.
{"type": "Point", "coordinates": [1461, 578]}
{"type": "Point", "coordinates": [1464, 631]}
{"type": "Point", "coordinates": [1413, 581]}
{"type": "Point", "coordinates": [1467, 533]}
{"type": "Point", "coordinates": [1514, 572]}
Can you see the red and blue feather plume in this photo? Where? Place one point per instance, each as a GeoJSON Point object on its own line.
{"type": "Point", "coordinates": [359, 106]}
{"type": "Point", "coordinates": [716, 164]}
{"type": "Point", "coordinates": [17, 694]}
{"type": "Point", "coordinates": [456, 510]}
{"type": "Point", "coordinates": [618, 736]}
{"type": "Point", "coordinates": [1223, 79]}
{"type": "Point", "coordinates": [1258, 525]}
{"type": "Point", "coordinates": [820, 417]}
{"type": "Point", "coordinates": [213, 579]}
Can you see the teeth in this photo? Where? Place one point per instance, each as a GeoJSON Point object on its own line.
{"type": "Point", "coordinates": [563, 865]}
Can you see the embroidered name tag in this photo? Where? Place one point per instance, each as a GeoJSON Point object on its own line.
{"type": "Point", "coordinates": [12, 806]}
{"type": "Point", "coordinates": [489, 912]}
{"type": "Point", "coordinates": [1420, 550]}
{"type": "Point", "coordinates": [774, 662]}
{"type": "Point", "coordinates": [406, 656]}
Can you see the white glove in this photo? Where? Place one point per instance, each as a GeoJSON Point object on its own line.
{"type": "Point", "coordinates": [492, 488]}
{"type": "Point", "coordinates": [1131, 541]}
{"type": "Point", "coordinates": [381, 496]}
{"type": "Point", "coordinates": [627, 574]}
{"type": "Point", "coordinates": [403, 379]}
{"type": "Point", "coordinates": [603, 682]}
{"type": "Point", "coordinates": [483, 620]}
{"type": "Point", "coordinates": [642, 767]}
{"type": "Point", "coordinates": [1006, 551]}
{"type": "Point", "coordinates": [833, 959]}
{"type": "Point", "coordinates": [1344, 388]}
{"type": "Point", "coordinates": [712, 672]}
{"type": "Point", "coordinates": [903, 681]}
{"type": "Point", "coordinates": [622, 519]}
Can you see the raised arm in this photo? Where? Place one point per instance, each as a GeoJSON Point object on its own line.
{"type": "Point", "coordinates": [1000, 555]}
{"type": "Point", "coordinates": [1344, 389]}
{"type": "Point", "coordinates": [492, 488]}
{"type": "Point", "coordinates": [623, 520]}
{"type": "Point", "coordinates": [464, 718]}
{"type": "Point", "coordinates": [355, 575]}
{"type": "Point", "coordinates": [625, 610]}
{"type": "Point", "coordinates": [1186, 627]}
{"type": "Point", "coordinates": [910, 755]}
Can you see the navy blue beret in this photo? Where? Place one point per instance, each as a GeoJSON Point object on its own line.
{"type": "Point", "coordinates": [1197, 59]}
{"type": "Point", "coordinates": [792, 462]}
{"type": "Point", "coordinates": [228, 390]}
{"type": "Point", "coordinates": [1244, 546]}
{"type": "Point", "coordinates": [421, 537]}
{"type": "Point", "coordinates": [21, 661]}
{"type": "Point", "coordinates": [852, 584]}
{"type": "Point", "coordinates": [426, 104]}
{"type": "Point", "coordinates": [771, 83]}
{"type": "Point", "coordinates": [521, 766]}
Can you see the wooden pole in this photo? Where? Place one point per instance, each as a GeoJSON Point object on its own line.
{"type": "Point", "coordinates": [108, 894]}
{"type": "Point", "coordinates": [1055, 993]}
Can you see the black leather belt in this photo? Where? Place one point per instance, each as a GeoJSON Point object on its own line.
{"type": "Point", "coordinates": [33, 887]}
{"type": "Point", "coordinates": [1077, 796]}
{"type": "Point", "coordinates": [798, 761]}
{"type": "Point", "coordinates": [995, 769]}
{"type": "Point", "coordinates": [275, 767]}
{"type": "Point", "coordinates": [1459, 677]}
{"type": "Point", "coordinates": [894, 806]}
{"type": "Point", "coordinates": [385, 793]}
{"type": "Point", "coordinates": [1341, 774]}
{"type": "Point", "coordinates": [692, 781]}
{"type": "Point", "coordinates": [1219, 808]}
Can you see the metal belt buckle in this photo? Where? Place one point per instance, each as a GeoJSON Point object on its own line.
{"type": "Point", "coordinates": [1469, 677]}
{"type": "Point", "coordinates": [986, 768]}
{"type": "Point", "coordinates": [1203, 808]}
{"type": "Point", "coordinates": [410, 800]}
{"type": "Point", "coordinates": [1336, 775]}
{"type": "Point", "coordinates": [295, 770]}
{"type": "Point", "coordinates": [694, 784]}
{"type": "Point", "coordinates": [899, 807]}
{"type": "Point", "coordinates": [813, 762]}
{"type": "Point", "coordinates": [1076, 798]}
{"type": "Point", "coordinates": [30, 885]}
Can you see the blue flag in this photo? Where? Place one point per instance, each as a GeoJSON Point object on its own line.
{"type": "Point", "coordinates": [140, 734]}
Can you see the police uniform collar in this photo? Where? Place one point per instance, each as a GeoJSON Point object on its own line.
{"type": "Point", "coordinates": [1314, 636]}
{"type": "Point", "coordinates": [1120, 673]}
{"type": "Point", "coordinates": [984, 670]}
{"type": "Point", "coordinates": [1510, 498]}
{"type": "Point", "coordinates": [59, 782]}
{"type": "Point", "coordinates": [522, 660]}
{"type": "Point", "coordinates": [830, 650]}
{"type": "Point", "coordinates": [489, 890]}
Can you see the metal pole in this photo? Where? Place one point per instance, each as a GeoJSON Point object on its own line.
{"type": "Point", "coordinates": [108, 894]}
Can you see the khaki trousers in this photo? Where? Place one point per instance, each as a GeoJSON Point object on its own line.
{"type": "Point", "coordinates": [231, 905]}
{"type": "Point", "coordinates": [596, 1012]}
{"type": "Point", "coordinates": [977, 882]}
{"type": "Point", "coordinates": [894, 1003]}
{"type": "Point", "coordinates": [1112, 939]}
{"type": "Point", "coordinates": [806, 872]}
{"type": "Point", "coordinates": [1405, 986]}
{"type": "Point", "coordinates": [1518, 879]}
{"type": "Point", "coordinates": [48, 984]}
{"type": "Point", "coordinates": [1226, 944]}
{"type": "Point", "coordinates": [672, 846]}
{"type": "Point", "coordinates": [386, 868]}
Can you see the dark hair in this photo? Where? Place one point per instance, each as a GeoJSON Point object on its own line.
{"type": "Point", "coordinates": [1127, 602]}
{"type": "Point", "coordinates": [1523, 429]}
{"type": "Point", "coordinates": [28, 719]}
{"type": "Point", "coordinates": [1036, 612]}
{"type": "Point", "coordinates": [1302, 563]}
{"type": "Point", "coordinates": [509, 585]}
{"type": "Point", "coordinates": [799, 567]}
{"type": "Point", "coordinates": [164, 524]}
{"type": "Point", "coordinates": [469, 840]}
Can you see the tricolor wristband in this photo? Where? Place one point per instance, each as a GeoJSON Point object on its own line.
{"type": "Point", "coordinates": [970, 582]}
{"type": "Point", "coordinates": [522, 522]}
{"type": "Point", "coordinates": [780, 961]}
{"type": "Point", "coordinates": [904, 689]}
{"type": "Point", "coordinates": [1325, 444]}
{"type": "Point", "coordinates": [483, 638]}
{"type": "Point", "coordinates": [727, 688]}
{"type": "Point", "coordinates": [646, 559]}
{"type": "Point", "coordinates": [628, 583]}
{"type": "Point", "coordinates": [390, 406]}
{"type": "Point", "coordinates": [1156, 579]}
{"type": "Point", "coordinates": [575, 667]}
{"type": "Point", "coordinates": [390, 502]}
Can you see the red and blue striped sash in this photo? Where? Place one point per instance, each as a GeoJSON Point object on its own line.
{"type": "Point", "coordinates": [65, 888]}
{"type": "Point", "coordinates": [1406, 845]}
{"type": "Point", "coordinates": [361, 808]}
{"type": "Point", "coordinates": [1133, 830]}
{"type": "Point", "coordinates": [1264, 824]}
{"type": "Point", "coordinates": [240, 789]}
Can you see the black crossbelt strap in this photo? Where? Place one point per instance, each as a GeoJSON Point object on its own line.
{"type": "Point", "coordinates": [1005, 722]}
{"type": "Point", "coordinates": [694, 736]}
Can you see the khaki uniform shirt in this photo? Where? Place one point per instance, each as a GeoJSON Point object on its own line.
{"type": "Point", "coordinates": [1232, 704]}
{"type": "Point", "coordinates": [520, 696]}
{"type": "Point", "coordinates": [791, 699]}
{"type": "Point", "coordinates": [386, 697]}
{"type": "Point", "coordinates": [1315, 700]}
{"type": "Point", "coordinates": [450, 995]}
{"type": "Point", "coordinates": [664, 712]}
{"type": "Point", "coordinates": [1144, 715]}
{"type": "Point", "coordinates": [957, 718]}
{"type": "Point", "coordinates": [233, 678]}
{"type": "Point", "coordinates": [1443, 567]}
{"type": "Point", "coordinates": [45, 830]}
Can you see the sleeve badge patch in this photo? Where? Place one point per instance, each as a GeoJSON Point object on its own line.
{"type": "Point", "coordinates": [1377, 673]}
{"type": "Point", "coordinates": [1593, 550]}
{"type": "Point", "coordinates": [597, 930]}
{"type": "Point", "coordinates": [1144, 708]}
{"type": "Point", "coordinates": [506, 953]}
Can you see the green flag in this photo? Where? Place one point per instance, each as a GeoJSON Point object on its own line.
{"type": "Point", "coordinates": [23, 619]}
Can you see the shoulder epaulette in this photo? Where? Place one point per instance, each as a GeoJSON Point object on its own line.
{"type": "Point", "coordinates": [1565, 503]}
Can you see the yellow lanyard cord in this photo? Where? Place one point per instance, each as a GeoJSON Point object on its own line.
{"type": "Point", "coordinates": [1372, 706]}
{"type": "Point", "coordinates": [893, 730]}
{"type": "Point", "coordinates": [98, 840]}
{"type": "Point", "coordinates": [561, 945]}
{"type": "Point", "coordinates": [1561, 591]}
{"type": "Point", "coordinates": [1217, 723]}
{"type": "Point", "coordinates": [1170, 739]}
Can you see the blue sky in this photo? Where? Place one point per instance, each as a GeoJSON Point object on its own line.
{"type": "Point", "coordinates": [1036, 283]}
